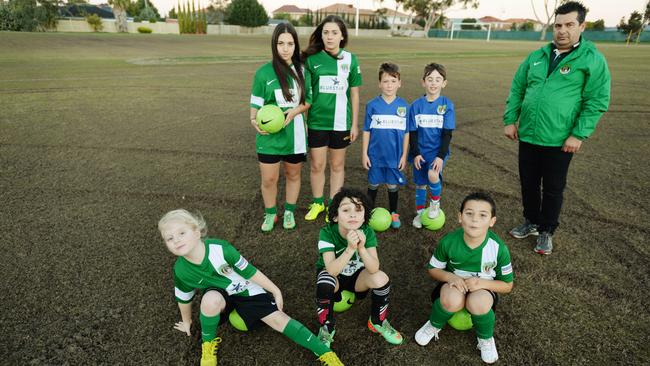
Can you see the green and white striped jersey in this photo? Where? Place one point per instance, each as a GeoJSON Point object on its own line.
{"type": "Point", "coordinates": [222, 267]}
{"type": "Point", "coordinates": [266, 90]}
{"type": "Point", "coordinates": [330, 240]}
{"type": "Point", "coordinates": [331, 80]}
{"type": "Point", "coordinates": [490, 260]}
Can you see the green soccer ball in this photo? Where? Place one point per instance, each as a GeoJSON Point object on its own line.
{"type": "Point", "coordinates": [432, 224]}
{"type": "Point", "coordinates": [236, 321]}
{"type": "Point", "coordinates": [380, 219]}
{"type": "Point", "coordinates": [461, 320]}
{"type": "Point", "coordinates": [270, 118]}
{"type": "Point", "coordinates": [347, 299]}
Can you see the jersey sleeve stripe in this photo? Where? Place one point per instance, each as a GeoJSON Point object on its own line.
{"type": "Point", "coordinates": [507, 269]}
{"type": "Point", "coordinates": [324, 245]}
{"type": "Point", "coordinates": [183, 296]}
{"type": "Point", "coordinates": [242, 263]}
{"type": "Point", "coordinates": [257, 101]}
{"type": "Point", "coordinates": [435, 263]}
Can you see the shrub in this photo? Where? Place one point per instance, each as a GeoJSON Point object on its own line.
{"type": "Point", "coordinates": [144, 30]}
{"type": "Point", "coordinates": [95, 22]}
{"type": "Point", "coordinates": [248, 13]}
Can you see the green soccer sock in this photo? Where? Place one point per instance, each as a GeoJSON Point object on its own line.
{"type": "Point", "coordinates": [319, 200]}
{"type": "Point", "coordinates": [301, 335]}
{"type": "Point", "coordinates": [271, 211]}
{"type": "Point", "coordinates": [291, 207]}
{"type": "Point", "coordinates": [439, 316]}
{"type": "Point", "coordinates": [484, 324]}
{"type": "Point", "coordinates": [209, 326]}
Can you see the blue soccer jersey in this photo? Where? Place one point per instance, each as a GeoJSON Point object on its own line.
{"type": "Point", "coordinates": [387, 124]}
{"type": "Point", "coordinates": [431, 118]}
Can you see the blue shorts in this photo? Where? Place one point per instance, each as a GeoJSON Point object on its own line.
{"type": "Point", "coordinates": [386, 176]}
{"type": "Point", "coordinates": [421, 177]}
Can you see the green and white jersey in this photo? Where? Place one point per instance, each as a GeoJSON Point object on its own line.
{"type": "Point", "coordinates": [331, 80]}
{"type": "Point", "coordinates": [267, 90]}
{"type": "Point", "coordinates": [330, 240]}
{"type": "Point", "coordinates": [222, 267]}
{"type": "Point", "coordinates": [490, 260]}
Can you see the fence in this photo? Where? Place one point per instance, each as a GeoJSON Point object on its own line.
{"type": "Point", "coordinates": [596, 36]}
{"type": "Point", "coordinates": [80, 25]}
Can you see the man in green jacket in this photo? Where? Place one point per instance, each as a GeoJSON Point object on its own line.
{"type": "Point", "coordinates": [558, 94]}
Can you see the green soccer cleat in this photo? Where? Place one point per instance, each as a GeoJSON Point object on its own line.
{"type": "Point", "coordinates": [387, 331]}
{"type": "Point", "coordinates": [269, 222]}
{"type": "Point", "coordinates": [288, 222]}
{"type": "Point", "coordinates": [326, 337]}
{"type": "Point", "coordinates": [314, 210]}
{"type": "Point", "coordinates": [330, 359]}
{"type": "Point", "coordinates": [209, 352]}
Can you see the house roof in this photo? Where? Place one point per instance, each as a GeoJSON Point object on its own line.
{"type": "Point", "coordinates": [289, 9]}
{"type": "Point", "coordinates": [490, 19]}
{"type": "Point", "coordinates": [392, 12]}
{"type": "Point", "coordinates": [520, 20]}
{"type": "Point", "coordinates": [339, 8]}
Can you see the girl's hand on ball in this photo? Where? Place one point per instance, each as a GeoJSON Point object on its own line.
{"type": "Point", "coordinates": [183, 327]}
{"type": "Point", "coordinates": [257, 128]}
{"type": "Point", "coordinates": [291, 114]}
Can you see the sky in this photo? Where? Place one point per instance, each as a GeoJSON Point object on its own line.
{"type": "Point", "coordinates": [610, 11]}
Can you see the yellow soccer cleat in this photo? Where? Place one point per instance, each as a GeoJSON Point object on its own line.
{"type": "Point", "coordinates": [330, 359]}
{"type": "Point", "coordinates": [314, 210]}
{"type": "Point", "coordinates": [209, 352]}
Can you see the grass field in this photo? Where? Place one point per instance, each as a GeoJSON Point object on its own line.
{"type": "Point", "coordinates": [101, 134]}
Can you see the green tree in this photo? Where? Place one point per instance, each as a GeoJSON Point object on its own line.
{"type": "Point", "coordinates": [598, 25]}
{"type": "Point", "coordinates": [631, 27]}
{"type": "Point", "coordinates": [526, 26]}
{"type": "Point", "coordinates": [646, 21]}
{"type": "Point", "coordinates": [248, 13]}
{"type": "Point", "coordinates": [469, 26]}
{"type": "Point", "coordinates": [28, 15]}
{"type": "Point", "coordinates": [431, 10]}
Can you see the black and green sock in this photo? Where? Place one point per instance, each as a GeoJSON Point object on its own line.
{"type": "Point", "coordinates": [291, 207]}
{"type": "Point", "coordinates": [271, 210]}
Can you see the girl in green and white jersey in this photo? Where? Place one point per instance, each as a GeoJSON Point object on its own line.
{"type": "Point", "coordinates": [333, 116]}
{"type": "Point", "coordinates": [281, 82]}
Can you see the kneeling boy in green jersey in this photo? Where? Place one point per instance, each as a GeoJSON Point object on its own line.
{"type": "Point", "coordinates": [472, 265]}
{"type": "Point", "coordinates": [228, 282]}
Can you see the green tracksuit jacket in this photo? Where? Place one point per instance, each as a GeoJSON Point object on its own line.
{"type": "Point", "coordinates": [570, 101]}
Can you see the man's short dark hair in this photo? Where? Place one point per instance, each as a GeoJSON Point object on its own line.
{"type": "Point", "coordinates": [572, 6]}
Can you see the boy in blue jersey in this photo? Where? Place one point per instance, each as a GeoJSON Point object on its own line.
{"type": "Point", "coordinates": [386, 139]}
{"type": "Point", "coordinates": [435, 119]}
